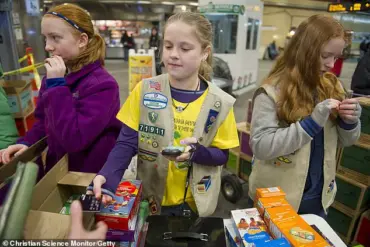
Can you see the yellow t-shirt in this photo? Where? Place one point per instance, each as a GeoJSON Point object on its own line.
{"type": "Point", "coordinates": [184, 122]}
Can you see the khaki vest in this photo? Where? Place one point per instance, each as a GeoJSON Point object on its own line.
{"type": "Point", "coordinates": [156, 102]}
{"type": "Point", "coordinates": [290, 171]}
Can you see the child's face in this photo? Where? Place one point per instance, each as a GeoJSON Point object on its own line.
{"type": "Point", "coordinates": [330, 52]}
{"type": "Point", "coordinates": [182, 51]}
{"type": "Point", "coordinates": [59, 39]}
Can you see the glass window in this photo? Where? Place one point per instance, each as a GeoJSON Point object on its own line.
{"type": "Point", "coordinates": [255, 33]}
{"type": "Point", "coordinates": [225, 32]}
{"type": "Point", "coordinates": [249, 33]}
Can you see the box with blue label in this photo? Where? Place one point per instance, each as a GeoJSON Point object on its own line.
{"type": "Point", "coordinates": [19, 95]}
{"type": "Point", "coordinates": [251, 227]}
{"type": "Point", "coordinates": [232, 234]}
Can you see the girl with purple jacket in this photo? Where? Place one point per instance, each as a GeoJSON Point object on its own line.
{"type": "Point", "coordinates": [78, 99]}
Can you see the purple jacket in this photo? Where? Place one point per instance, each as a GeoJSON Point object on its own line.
{"type": "Point", "coordinates": [78, 118]}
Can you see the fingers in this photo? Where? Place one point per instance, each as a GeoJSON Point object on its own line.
{"type": "Point", "coordinates": [8, 153]}
{"type": "Point", "coordinates": [188, 140]}
{"type": "Point", "coordinates": [348, 106]}
{"type": "Point", "coordinates": [183, 157]}
{"type": "Point", "coordinates": [99, 233]}
{"type": "Point", "coordinates": [350, 101]}
{"type": "Point", "coordinates": [107, 199]}
{"type": "Point", "coordinates": [1, 155]}
{"type": "Point", "coordinates": [76, 227]}
{"type": "Point", "coordinates": [21, 151]}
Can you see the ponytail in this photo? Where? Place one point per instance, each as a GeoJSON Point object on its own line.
{"type": "Point", "coordinates": [206, 69]}
{"type": "Point", "coordinates": [95, 51]}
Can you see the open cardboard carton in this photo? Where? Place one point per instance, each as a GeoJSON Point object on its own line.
{"type": "Point", "coordinates": [49, 196]}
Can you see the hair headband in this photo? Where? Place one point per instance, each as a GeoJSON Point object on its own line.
{"type": "Point", "coordinates": [67, 20]}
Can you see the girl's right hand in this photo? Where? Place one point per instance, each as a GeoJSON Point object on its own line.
{"type": "Point", "coordinates": [13, 150]}
{"type": "Point", "coordinates": [323, 109]}
{"type": "Point", "coordinates": [98, 181]}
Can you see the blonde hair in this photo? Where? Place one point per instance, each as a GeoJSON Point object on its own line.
{"type": "Point", "coordinates": [297, 71]}
{"type": "Point", "coordinates": [203, 31]}
{"type": "Point", "coordinates": [95, 49]}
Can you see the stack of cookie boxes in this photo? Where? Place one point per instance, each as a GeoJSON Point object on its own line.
{"type": "Point", "coordinates": [353, 182]}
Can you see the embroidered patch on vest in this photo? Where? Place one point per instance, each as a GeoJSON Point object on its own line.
{"type": "Point", "coordinates": [155, 85]}
{"type": "Point", "coordinates": [153, 117]}
{"type": "Point", "coordinates": [155, 101]}
{"type": "Point", "coordinates": [152, 205]}
{"type": "Point", "coordinates": [151, 129]}
{"type": "Point", "coordinates": [217, 104]}
{"type": "Point", "coordinates": [331, 186]}
{"type": "Point", "coordinates": [212, 115]}
{"type": "Point", "coordinates": [204, 184]}
{"type": "Point", "coordinates": [282, 159]}
{"type": "Point", "coordinates": [147, 155]}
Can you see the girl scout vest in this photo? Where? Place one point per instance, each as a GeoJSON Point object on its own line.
{"type": "Point", "coordinates": [290, 171]}
{"type": "Point", "coordinates": [156, 102]}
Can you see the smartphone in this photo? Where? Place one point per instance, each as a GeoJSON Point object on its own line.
{"type": "Point", "coordinates": [173, 151]}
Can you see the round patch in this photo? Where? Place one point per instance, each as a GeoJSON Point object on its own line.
{"type": "Point", "coordinates": [212, 119]}
{"type": "Point", "coordinates": [155, 144]}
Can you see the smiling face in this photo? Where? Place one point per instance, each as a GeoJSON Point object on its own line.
{"type": "Point", "coordinates": [60, 38]}
{"type": "Point", "coordinates": [182, 51]}
{"type": "Point", "coordinates": [330, 52]}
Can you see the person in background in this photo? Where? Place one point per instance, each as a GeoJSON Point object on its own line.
{"type": "Point", "coordinates": [361, 77]}
{"type": "Point", "coordinates": [78, 100]}
{"type": "Point", "coordinates": [125, 41]}
{"type": "Point", "coordinates": [8, 129]}
{"type": "Point", "coordinates": [300, 116]}
{"type": "Point", "coordinates": [181, 109]}
{"type": "Point", "coordinates": [154, 43]}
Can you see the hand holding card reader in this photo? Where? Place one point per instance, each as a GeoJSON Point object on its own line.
{"type": "Point", "coordinates": [90, 203]}
{"type": "Point", "coordinates": [173, 151]}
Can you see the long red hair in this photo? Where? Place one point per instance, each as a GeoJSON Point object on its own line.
{"type": "Point", "coordinates": [296, 73]}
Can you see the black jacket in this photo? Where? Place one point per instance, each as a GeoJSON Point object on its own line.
{"type": "Point", "coordinates": [361, 77]}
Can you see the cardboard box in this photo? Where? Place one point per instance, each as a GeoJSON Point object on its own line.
{"type": "Point", "coordinates": [19, 98]}
{"type": "Point", "coordinates": [120, 213]}
{"type": "Point", "coordinates": [269, 192]}
{"type": "Point", "coordinates": [278, 213]}
{"type": "Point", "coordinates": [232, 233]}
{"type": "Point", "coordinates": [270, 202]}
{"type": "Point", "coordinates": [251, 227]}
{"type": "Point", "coordinates": [49, 197]}
{"type": "Point", "coordinates": [287, 224]}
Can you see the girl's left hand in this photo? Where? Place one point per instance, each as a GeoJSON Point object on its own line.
{"type": "Point", "coordinates": [349, 111]}
{"type": "Point", "coordinates": [55, 67]}
{"type": "Point", "coordinates": [186, 154]}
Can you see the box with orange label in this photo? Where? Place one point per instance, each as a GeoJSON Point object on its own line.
{"type": "Point", "coordinates": [296, 231]}
{"type": "Point", "coordinates": [269, 192]}
{"type": "Point", "coordinates": [270, 202]}
{"type": "Point", "coordinates": [278, 213]}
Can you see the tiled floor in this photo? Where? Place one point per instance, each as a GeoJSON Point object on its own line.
{"type": "Point", "coordinates": [119, 70]}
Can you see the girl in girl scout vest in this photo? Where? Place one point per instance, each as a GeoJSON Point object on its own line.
{"type": "Point", "coordinates": [179, 108]}
{"type": "Point", "coordinates": [300, 116]}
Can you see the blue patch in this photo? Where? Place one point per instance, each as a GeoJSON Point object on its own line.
{"type": "Point", "coordinates": [212, 115]}
{"type": "Point", "coordinates": [204, 184]}
{"type": "Point", "coordinates": [155, 101]}
{"type": "Point", "coordinates": [331, 186]}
